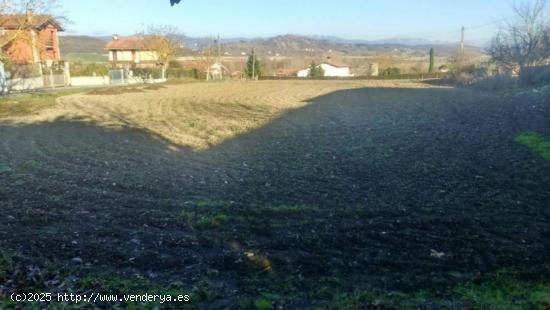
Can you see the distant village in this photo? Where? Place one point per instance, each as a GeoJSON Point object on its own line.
{"type": "Point", "coordinates": [35, 60]}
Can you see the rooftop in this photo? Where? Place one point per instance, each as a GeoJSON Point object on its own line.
{"type": "Point", "coordinates": [28, 20]}
{"type": "Point", "coordinates": [129, 43]}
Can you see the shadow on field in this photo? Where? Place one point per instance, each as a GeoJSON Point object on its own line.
{"type": "Point", "coordinates": [393, 188]}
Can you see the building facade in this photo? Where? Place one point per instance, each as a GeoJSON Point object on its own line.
{"type": "Point", "coordinates": [29, 38]}
{"type": "Point", "coordinates": [132, 52]}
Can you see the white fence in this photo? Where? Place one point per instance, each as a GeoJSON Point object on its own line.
{"type": "Point", "coordinates": [90, 81]}
{"type": "Point", "coordinates": [25, 84]}
{"type": "Point", "coordinates": [124, 77]}
{"type": "Point", "coordinates": [117, 77]}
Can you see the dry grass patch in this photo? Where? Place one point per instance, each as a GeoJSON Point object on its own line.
{"type": "Point", "coordinates": [197, 115]}
{"type": "Point", "coordinates": [114, 91]}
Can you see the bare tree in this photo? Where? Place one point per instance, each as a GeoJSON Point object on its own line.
{"type": "Point", "coordinates": [526, 41]}
{"type": "Point", "coordinates": [49, 7]}
{"type": "Point", "coordinates": [208, 59]}
{"type": "Point", "coordinates": [462, 61]}
{"type": "Point", "coordinates": [166, 41]}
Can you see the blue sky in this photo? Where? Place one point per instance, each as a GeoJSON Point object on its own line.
{"type": "Point", "coordinates": [350, 19]}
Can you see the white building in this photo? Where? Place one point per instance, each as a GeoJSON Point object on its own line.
{"type": "Point", "coordinates": [133, 51]}
{"type": "Point", "coordinates": [330, 70]}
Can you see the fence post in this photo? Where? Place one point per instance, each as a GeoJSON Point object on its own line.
{"type": "Point", "coordinates": [52, 83]}
{"type": "Point", "coordinates": [67, 73]}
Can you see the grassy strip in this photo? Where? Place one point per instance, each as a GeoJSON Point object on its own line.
{"type": "Point", "coordinates": [537, 143]}
{"type": "Point", "coordinates": [503, 290]}
{"type": "Point", "coordinates": [27, 104]}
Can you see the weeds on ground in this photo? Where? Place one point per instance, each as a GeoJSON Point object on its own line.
{"type": "Point", "coordinates": [504, 291]}
{"type": "Point", "coordinates": [537, 143]}
{"type": "Point", "coordinates": [212, 214]}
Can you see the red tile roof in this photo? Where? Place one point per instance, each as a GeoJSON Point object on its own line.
{"type": "Point", "coordinates": [129, 43]}
{"type": "Point", "coordinates": [22, 20]}
{"type": "Point", "coordinates": [335, 63]}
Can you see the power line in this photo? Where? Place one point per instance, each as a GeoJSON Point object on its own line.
{"type": "Point", "coordinates": [488, 24]}
{"type": "Point", "coordinates": [458, 31]}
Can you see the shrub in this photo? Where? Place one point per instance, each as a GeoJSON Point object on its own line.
{"type": "Point", "coordinates": [543, 78]}
{"type": "Point", "coordinates": [182, 73]}
{"type": "Point", "coordinates": [391, 72]}
{"type": "Point", "coordinates": [253, 66]}
{"type": "Point", "coordinates": [316, 71]}
{"type": "Point", "coordinates": [145, 73]}
{"type": "Point", "coordinates": [23, 71]}
{"type": "Point", "coordinates": [176, 71]}
{"type": "Point", "coordinates": [535, 76]}
{"type": "Point", "coordinates": [90, 69]}
{"type": "Point", "coordinates": [498, 82]}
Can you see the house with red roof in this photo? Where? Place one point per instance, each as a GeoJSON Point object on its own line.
{"type": "Point", "coordinates": [28, 38]}
{"type": "Point", "coordinates": [133, 52]}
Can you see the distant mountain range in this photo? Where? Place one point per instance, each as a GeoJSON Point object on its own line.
{"type": "Point", "coordinates": [404, 41]}
{"type": "Point", "coordinates": [289, 45]}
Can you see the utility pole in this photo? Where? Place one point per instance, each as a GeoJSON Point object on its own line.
{"type": "Point", "coordinates": [253, 64]}
{"type": "Point", "coordinates": [220, 58]}
{"type": "Point", "coordinates": [462, 41]}
{"type": "Point", "coordinates": [219, 48]}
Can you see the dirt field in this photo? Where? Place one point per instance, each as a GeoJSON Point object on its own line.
{"type": "Point", "coordinates": [298, 194]}
{"type": "Point", "coordinates": [197, 115]}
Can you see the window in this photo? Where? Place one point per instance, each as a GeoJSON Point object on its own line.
{"type": "Point", "coordinates": [50, 41]}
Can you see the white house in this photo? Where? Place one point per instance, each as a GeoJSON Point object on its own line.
{"type": "Point", "coordinates": [133, 51]}
{"type": "Point", "coordinates": [331, 70]}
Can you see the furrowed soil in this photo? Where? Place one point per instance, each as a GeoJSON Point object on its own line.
{"type": "Point", "coordinates": [273, 193]}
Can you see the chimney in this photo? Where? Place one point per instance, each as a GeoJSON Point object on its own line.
{"type": "Point", "coordinates": [115, 37]}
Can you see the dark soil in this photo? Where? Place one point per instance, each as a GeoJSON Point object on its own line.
{"type": "Point", "coordinates": [369, 189]}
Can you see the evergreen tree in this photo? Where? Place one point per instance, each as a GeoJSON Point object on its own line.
{"type": "Point", "coordinates": [432, 60]}
{"type": "Point", "coordinates": [316, 71]}
{"type": "Point", "coordinates": [253, 67]}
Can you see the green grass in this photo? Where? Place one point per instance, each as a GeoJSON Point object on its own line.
{"type": "Point", "coordinates": [263, 304]}
{"type": "Point", "coordinates": [506, 292]}
{"type": "Point", "coordinates": [28, 104]}
{"type": "Point", "coordinates": [208, 220]}
{"type": "Point", "coordinates": [502, 290]}
{"type": "Point", "coordinates": [119, 285]}
{"type": "Point", "coordinates": [537, 143]}
{"type": "Point", "coordinates": [214, 214]}
{"type": "Point", "coordinates": [86, 57]}
{"type": "Point", "coordinates": [6, 265]}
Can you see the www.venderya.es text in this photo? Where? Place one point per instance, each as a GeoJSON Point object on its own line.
{"type": "Point", "coordinates": [99, 298]}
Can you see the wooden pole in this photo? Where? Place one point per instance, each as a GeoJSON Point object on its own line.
{"type": "Point", "coordinates": [462, 41]}
{"type": "Point", "coordinates": [253, 64]}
